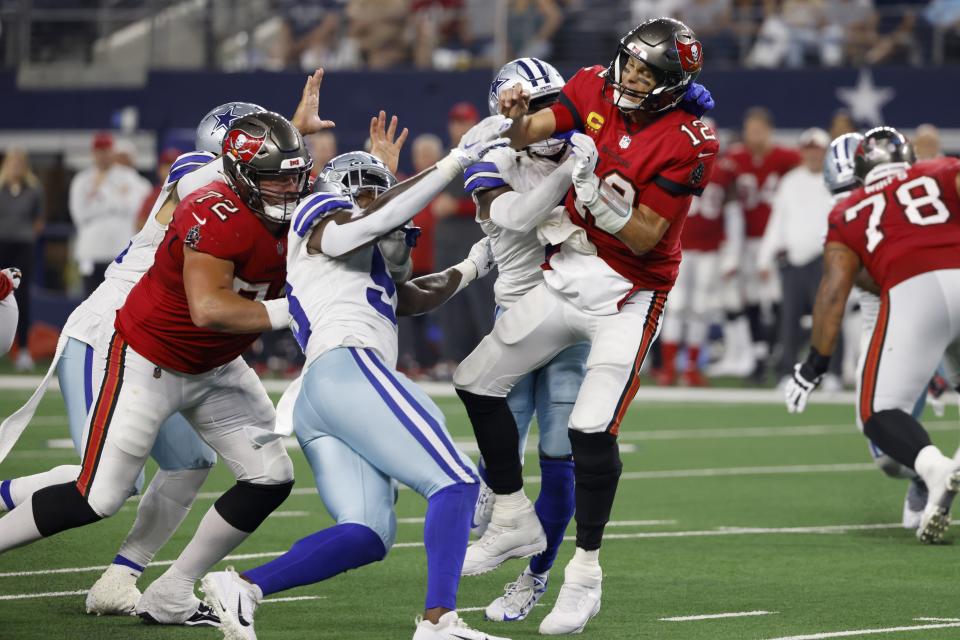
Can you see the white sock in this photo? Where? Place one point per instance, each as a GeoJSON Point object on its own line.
{"type": "Point", "coordinates": [214, 539]}
{"type": "Point", "coordinates": [584, 567]}
{"type": "Point", "coordinates": [18, 527]}
{"type": "Point", "coordinates": [162, 509]}
{"type": "Point", "coordinates": [516, 501]}
{"type": "Point", "coordinates": [929, 461]}
{"type": "Point", "coordinates": [23, 488]}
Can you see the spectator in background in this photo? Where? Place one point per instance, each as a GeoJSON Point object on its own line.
{"type": "Point", "coordinates": [166, 158]}
{"type": "Point", "coordinates": [22, 220]}
{"type": "Point", "coordinates": [378, 28]}
{"type": "Point", "coordinates": [468, 317]}
{"type": "Point", "coordinates": [712, 21]}
{"type": "Point", "coordinates": [311, 35]}
{"type": "Point", "coordinates": [531, 25]}
{"type": "Point", "coordinates": [926, 142]}
{"type": "Point", "coordinates": [105, 199]}
{"type": "Point", "coordinates": [794, 234]}
{"type": "Point", "coordinates": [442, 37]}
{"type": "Point", "coordinates": [323, 148]}
{"type": "Point", "coordinates": [841, 123]}
{"type": "Point", "coordinates": [419, 347]}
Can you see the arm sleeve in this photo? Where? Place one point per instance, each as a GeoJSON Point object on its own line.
{"type": "Point", "coordinates": [340, 239]}
{"type": "Point", "coordinates": [524, 211]}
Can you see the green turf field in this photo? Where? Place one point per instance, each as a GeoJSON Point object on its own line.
{"type": "Point", "coordinates": [722, 509]}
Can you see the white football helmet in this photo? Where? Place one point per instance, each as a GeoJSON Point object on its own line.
{"type": "Point", "coordinates": [218, 121]}
{"type": "Point", "coordinates": [542, 81]}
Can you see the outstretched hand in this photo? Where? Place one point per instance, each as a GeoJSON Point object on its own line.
{"type": "Point", "coordinates": [307, 118]}
{"type": "Point", "coordinates": [384, 141]}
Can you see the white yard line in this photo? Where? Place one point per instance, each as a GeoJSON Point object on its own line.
{"type": "Point", "coordinates": [867, 632]}
{"type": "Point", "coordinates": [291, 599]}
{"type": "Point", "coordinates": [700, 533]}
{"type": "Point", "coordinates": [612, 523]}
{"type": "Point", "coordinates": [717, 616]}
{"type": "Point", "coordinates": [48, 594]}
{"type": "Point", "coordinates": [936, 619]}
{"type": "Point", "coordinates": [291, 514]}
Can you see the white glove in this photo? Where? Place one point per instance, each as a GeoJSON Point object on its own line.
{"type": "Point", "coordinates": [480, 139]}
{"type": "Point", "coordinates": [481, 255]}
{"type": "Point", "coordinates": [800, 386]}
{"type": "Point", "coordinates": [14, 274]}
{"type": "Point", "coordinates": [585, 161]}
{"type": "Point", "coordinates": [610, 211]}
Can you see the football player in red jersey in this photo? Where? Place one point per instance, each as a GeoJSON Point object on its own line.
{"type": "Point", "coordinates": [614, 254]}
{"type": "Point", "coordinates": [759, 165]}
{"type": "Point", "coordinates": [694, 298]}
{"type": "Point", "coordinates": [9, 315]}
{"type": "Point", "coordinates": [903, 227]}
{"type": "Point", "coordinates": [216, 283]}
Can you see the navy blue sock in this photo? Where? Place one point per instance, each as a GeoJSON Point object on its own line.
{"type": "Point", "coordinates": [555, 506]}
{"type": "Point", "coordinates": [445, 535]}
{"type": "Point", "coordinates": [319, 556]}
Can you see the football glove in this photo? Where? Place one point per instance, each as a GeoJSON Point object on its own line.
{"type": "Point", "coordinates": [14, 274]}
{"type": "Point", "coordinates": [697, 100]}
{"type": "Point", "coordinates": [481, 255]}
{"type": "Point", "coordinates": [806, 377]}
{"type": "Point", "coordinates": [609, 210]}
{"type": "Point", "coordinates": [481, 138]}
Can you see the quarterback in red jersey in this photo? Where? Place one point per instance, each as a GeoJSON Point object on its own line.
{"type": "Point", "coordinates": [903, 227]}
{"type": "Point", "coordinates": [212, 289]}
{"type": "Point", "coordinates": [758, 164]}
{"type": "Point", "coordinates": [694, 297]}
{"type": "Point", "coordinates": [614, 255]}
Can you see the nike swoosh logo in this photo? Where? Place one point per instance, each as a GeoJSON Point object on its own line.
{"type": "Point", "coordinates": [704, 155]}
{"type": "Point", "coordinates": [457, 635]}
{"type": "Point", "coordinates": [200, 220]}
{"type": "Point", "coordinates": [243, 622]}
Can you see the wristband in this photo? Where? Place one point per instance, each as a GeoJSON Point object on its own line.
{"type": "Point", "coordinates": [468, 273]}
{"type": "Point", "coordinates": [278, 312]}
{"type": "Point", "coordinates": [818, 363]}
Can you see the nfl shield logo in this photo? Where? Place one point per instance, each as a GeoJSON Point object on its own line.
{"type": "Point", "coordinates": [624, 142]}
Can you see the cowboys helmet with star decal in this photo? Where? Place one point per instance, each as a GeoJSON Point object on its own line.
{"type": "Point", "coordinates": [359, 172]}
{"type": "Point", "coordinates": [217, 122]}
{"type": "Point", "coordinates": [266, 146]}
{"type": "Point", "coordinates": [883, 150]}
{"type": "Point", "coordinates": [670, 50]}
{"type": "Point", "coordinates": [542, 82]}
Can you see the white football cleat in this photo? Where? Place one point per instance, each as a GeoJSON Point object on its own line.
{"type": "Point", "coordinates": [161, 604]}
{"type": "Point", "coordinates": [577, 602]}
{"type": "Point", "coordinates": [519, 598]}
{"type": "Point", "coordinates": [450, 627]}
{"type": "Point", "coordinates": [115, 593]}
{"type": "Point", "coordinates": [483, 510]}
{"type": "Point", "coordinates": [516, 534]}
{"type": "Point", "coordinates": [936, 516]}
{"type": "Point", "coordinates": [914, 503]}
{"type": "Point", "coordinates": [234, 600]}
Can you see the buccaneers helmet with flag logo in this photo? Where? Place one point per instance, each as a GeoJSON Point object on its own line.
{"type": "Point", "coordinates": [670, 50]}
{"type": "Point", "coordinates": [266, 147]}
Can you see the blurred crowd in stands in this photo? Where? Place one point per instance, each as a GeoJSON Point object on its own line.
{"type": "Point", "coordinates": [460, 34]}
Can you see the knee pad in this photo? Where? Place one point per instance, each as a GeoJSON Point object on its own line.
{"type": "Point", "coordinates": [596, 457]}
{"type": "Point", "coordinates": [246, 505]}
{"type": "Point", "coordinates": [897, 434]}
{"type": "Point", "coordinates": [60, 507]}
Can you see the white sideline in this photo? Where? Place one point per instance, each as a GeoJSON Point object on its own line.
{"type": "Point", "coordinates": [645, 394]}
{"type": "Point", "coordinates": [718, 616]}
{"type": "Point", "coordinates": [867, 632]}
{"type": "Point", "coordinates": [696, 533]}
